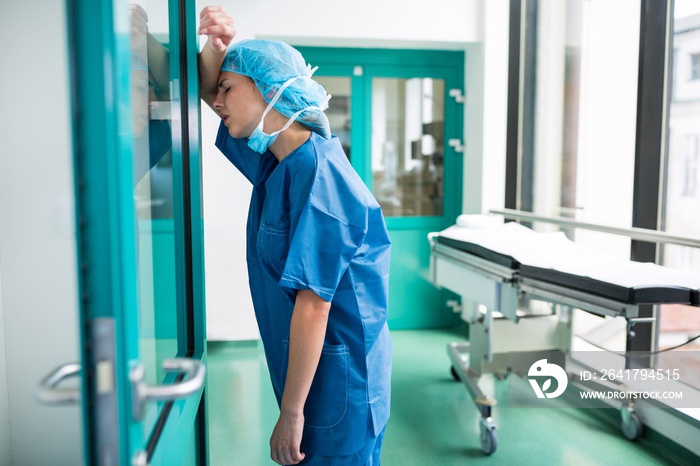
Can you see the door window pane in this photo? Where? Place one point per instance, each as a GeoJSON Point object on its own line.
{"type": "Point", "coordinates": [153, 187]}
{"type": "Point", "coordinates": [339, 109]}
{"type": "Point", "coordinates": [681, 202]}
{"type": "Point", "coordinates": [408, 118]}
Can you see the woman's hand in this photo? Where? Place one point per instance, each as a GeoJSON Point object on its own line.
{"type": "Point", "coordinates": [218, 26]}
{"type": "Point", "coordinates": [285, 442]}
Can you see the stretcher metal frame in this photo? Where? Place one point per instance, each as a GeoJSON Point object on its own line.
{"type": "Point", "coordinates": [497, 287]}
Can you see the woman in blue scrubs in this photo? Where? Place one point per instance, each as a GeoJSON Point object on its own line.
{"type": "Point", "coordinates": [317, 251]}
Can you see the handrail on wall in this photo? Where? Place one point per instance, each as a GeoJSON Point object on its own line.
{"type": "Point", "coordinates": [640, 234]}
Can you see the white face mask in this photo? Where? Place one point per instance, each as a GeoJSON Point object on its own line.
{"type": "Point", "coordinates": [259, 141]}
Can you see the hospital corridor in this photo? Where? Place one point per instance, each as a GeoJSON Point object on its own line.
{"type": "Point", "coordinates": [397, 232]}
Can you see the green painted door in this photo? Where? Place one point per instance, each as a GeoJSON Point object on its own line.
{"type": "Point", "coordinates": [140, 229]}
{"type": "Point", "coordinates": [396, 113]}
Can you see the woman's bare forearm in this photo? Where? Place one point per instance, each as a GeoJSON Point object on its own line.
{"type": "Point", "coordinates": [306, 335]}
{"type": "Point", "coordinates": [209, 65]}
{"type": "Point", "coordinates": [220, 30]}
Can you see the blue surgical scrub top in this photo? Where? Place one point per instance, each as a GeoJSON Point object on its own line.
{"type": "Point", "coordinates": [313, 224]}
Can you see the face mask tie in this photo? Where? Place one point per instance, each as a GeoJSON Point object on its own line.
{"type": "Point", "coordinates": [260, 141]}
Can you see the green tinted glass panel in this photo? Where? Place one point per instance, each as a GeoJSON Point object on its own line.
{"type": "Point", "coordinates": [152, 107]}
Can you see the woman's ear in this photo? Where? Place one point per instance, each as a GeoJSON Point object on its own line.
{"type": "Point", "coordinates": [275, 118]}
{"type": "Point", "coordinates": [271, 93]}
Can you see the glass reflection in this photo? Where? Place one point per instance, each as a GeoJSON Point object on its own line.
{"type": "Point", "coordinates": [407, 145]}
{"type": "Point", "coordinates": [153, 187]}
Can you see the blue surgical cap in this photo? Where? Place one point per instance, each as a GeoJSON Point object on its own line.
{"type": "Point", "coordinates": [271, 63]}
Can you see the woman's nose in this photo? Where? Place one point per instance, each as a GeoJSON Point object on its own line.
{"type": "Point", "coordinates": [218, 103]}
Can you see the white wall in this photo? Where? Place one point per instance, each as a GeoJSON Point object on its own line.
{"type": "Point", "coordinates": [361, 22]}
{"type": "Point", "coordinates": [38, 313]}
{"type": "Point", "coordinates": [438, 24]}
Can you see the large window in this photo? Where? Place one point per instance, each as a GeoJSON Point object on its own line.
{"type": "Point", "coordinates": [578, 115]}
{"type": "Point", "coordinates": [608, 132]}
{"type": "Point", "coordinates": [681, 201]}
{"type": "Point", "coordinates": [577, 127]}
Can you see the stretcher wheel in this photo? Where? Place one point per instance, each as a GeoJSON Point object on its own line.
{"type": "Point", "coordinates": [488, 436]}
{"type": "Point", "coordinates": [454, 373]}
{"type": "Point", "coordinates": [489, 441]}
{"type": "Point", "coordinates": [631, 426]}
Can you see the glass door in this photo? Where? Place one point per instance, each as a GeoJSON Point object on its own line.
{"type": "Point", "coordinates": [136, 130]}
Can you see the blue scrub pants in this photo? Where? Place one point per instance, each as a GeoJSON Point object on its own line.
{"type": "Point", "coordinates": [367, 456]}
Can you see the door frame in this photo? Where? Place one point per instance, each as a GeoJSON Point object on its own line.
{"type": "Point", "coordinates": [100, 80]}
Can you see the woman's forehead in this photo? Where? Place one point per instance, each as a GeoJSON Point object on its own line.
{"type": "Point", "coordinates": [229, 76]}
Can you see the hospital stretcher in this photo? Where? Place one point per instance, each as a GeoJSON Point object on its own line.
{"type": "Point", "coordinates": [506, 269]}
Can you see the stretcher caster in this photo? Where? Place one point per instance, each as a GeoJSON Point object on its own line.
{"type": "Point", "coordinates": [454, 373]}
{"type": "Point", "coordinates": [489, 438]}
{"type": "Point", "coordinates": [631, 425]}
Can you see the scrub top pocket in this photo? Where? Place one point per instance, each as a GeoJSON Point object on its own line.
{"type": "Point", "coordinates": [327, 403]}
{"type": "Point", "coordinates": [274, 243]}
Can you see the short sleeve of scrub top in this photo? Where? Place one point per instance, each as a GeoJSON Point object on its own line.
{"type": "Point", "coordinates": [319, 264]}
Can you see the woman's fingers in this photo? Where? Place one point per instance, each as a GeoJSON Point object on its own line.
{"type": "Point", "coordinates": [218, 25]}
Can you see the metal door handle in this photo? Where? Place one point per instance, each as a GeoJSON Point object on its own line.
{"type": "Point", "coordinates": [47, 392]}
{"type": "Point", "coordinates": [192, 382]}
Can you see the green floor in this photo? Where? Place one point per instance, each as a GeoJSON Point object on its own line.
{"type": "Point", "coordinates": [433, 420]}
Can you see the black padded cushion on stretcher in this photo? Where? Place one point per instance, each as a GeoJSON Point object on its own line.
{"type": "Point", "coordinates": [647, 294]}
{"type": "Point", "coordinates": [480, 251]}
